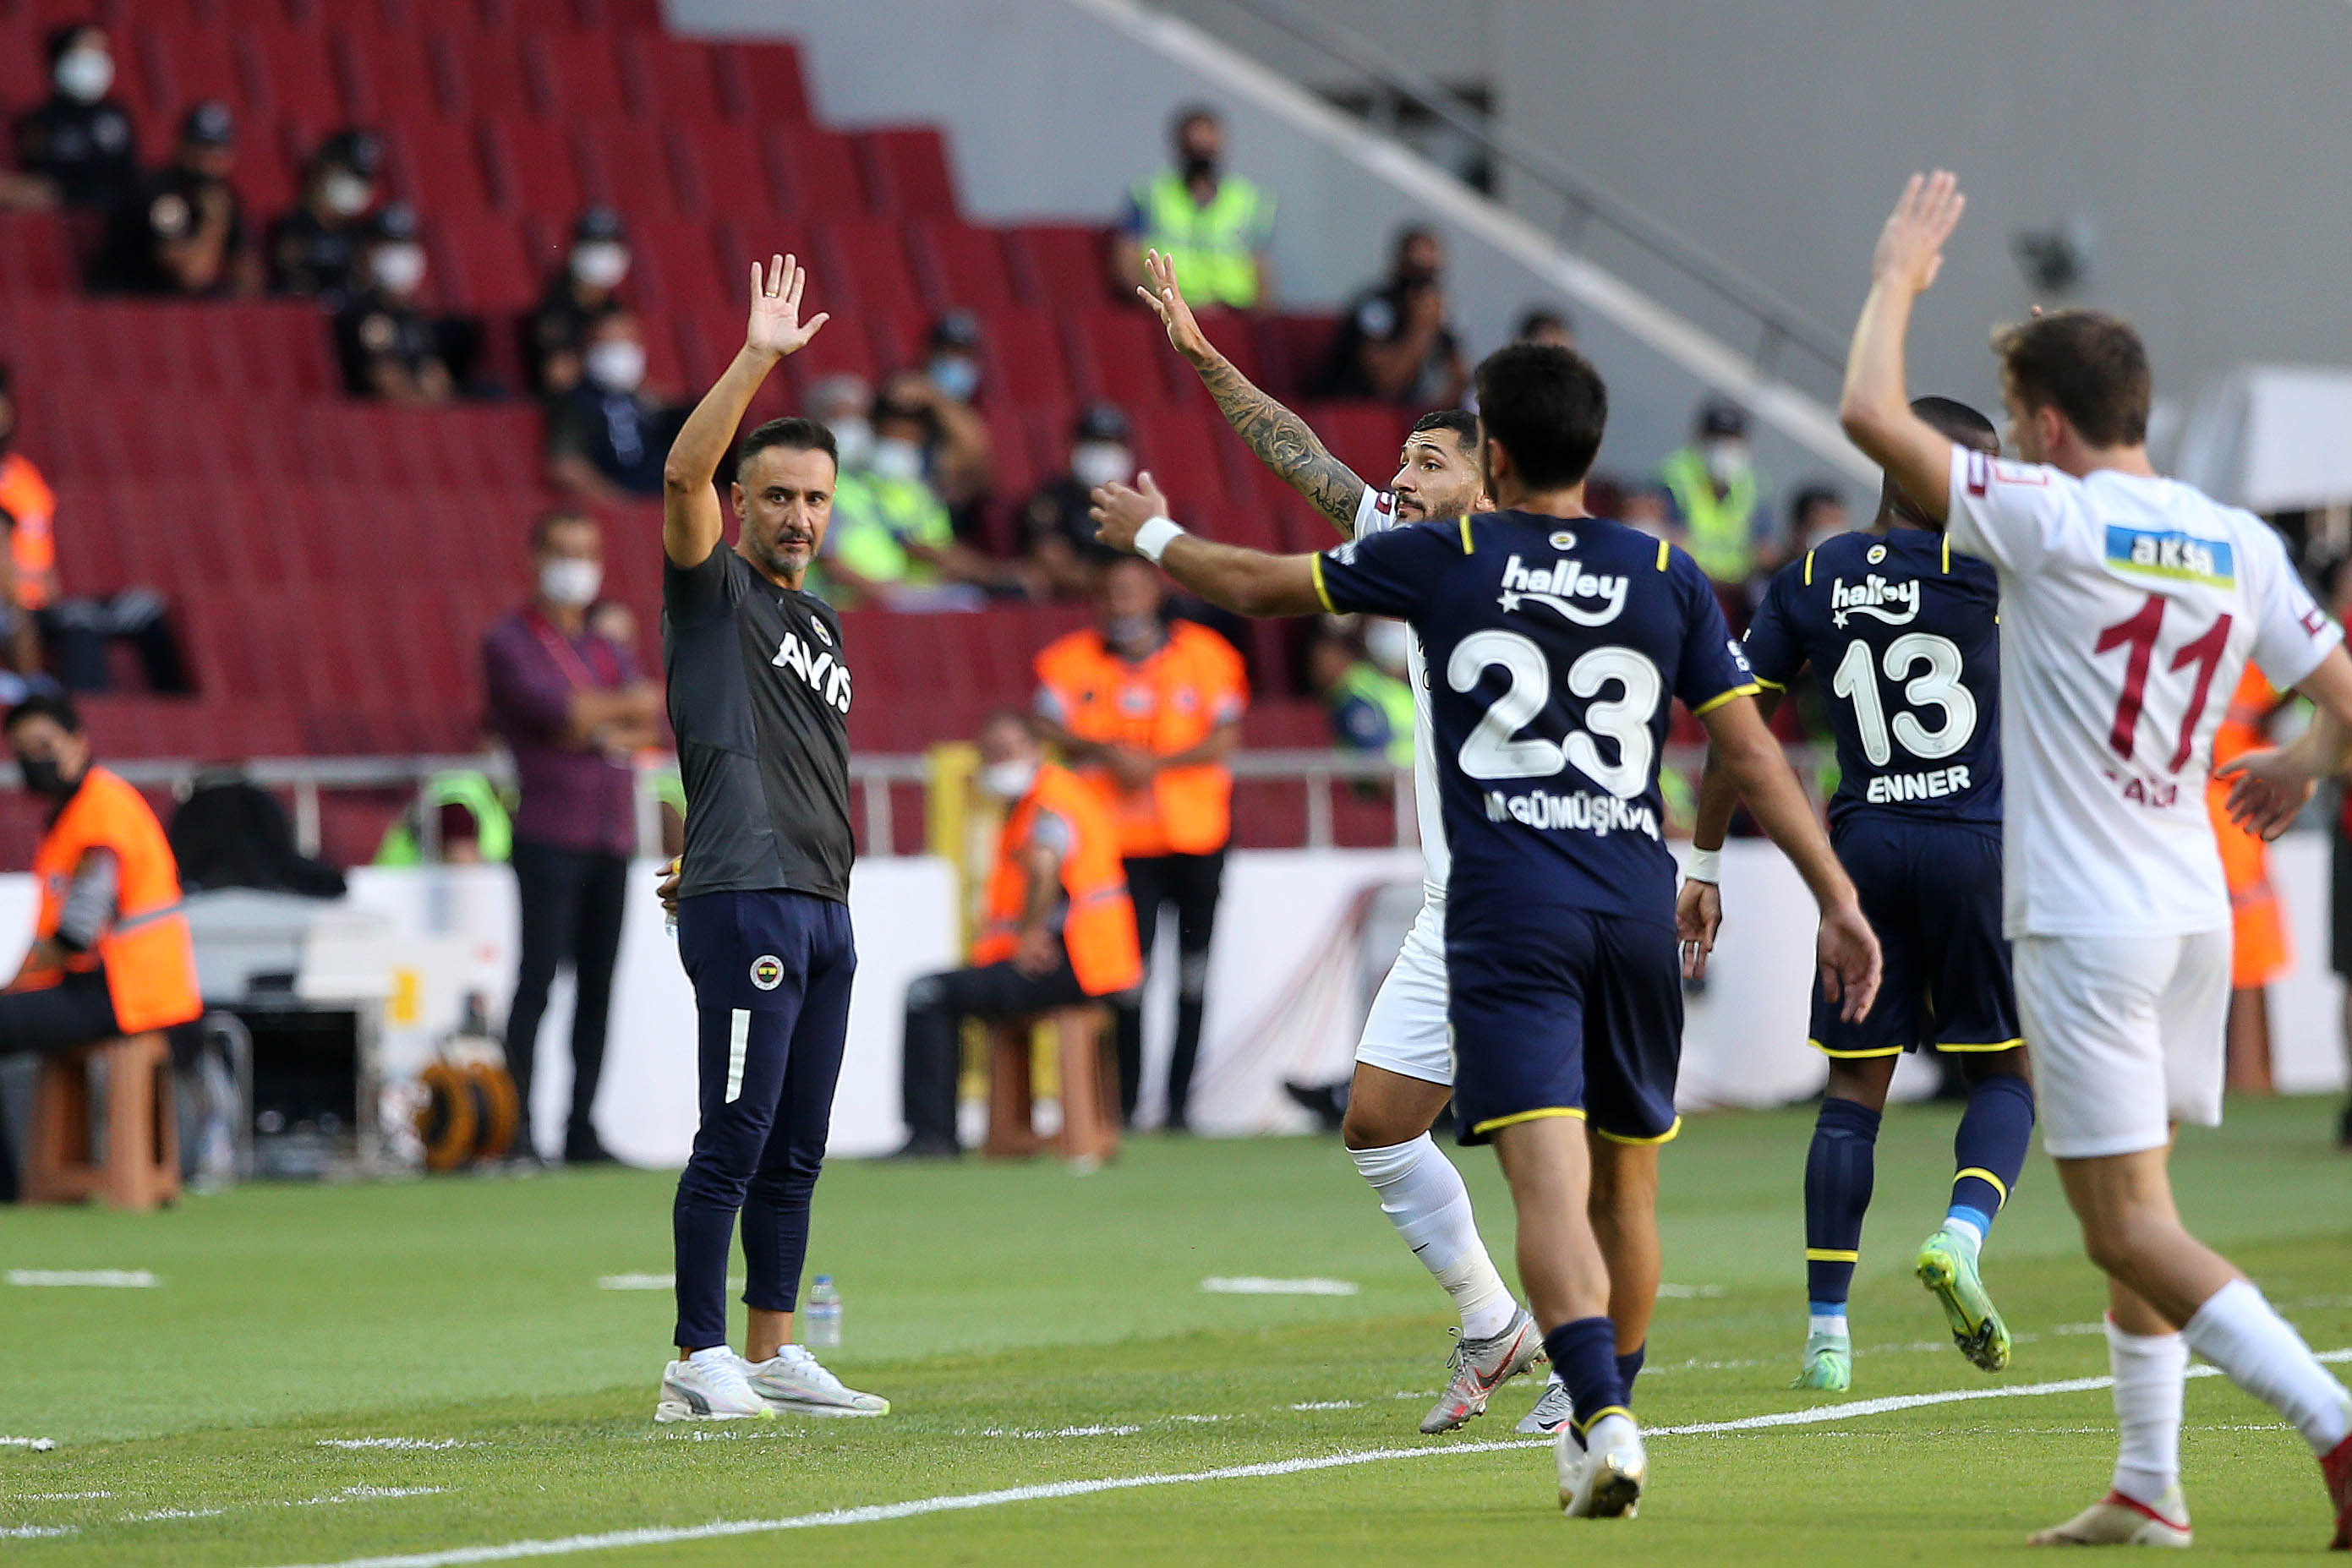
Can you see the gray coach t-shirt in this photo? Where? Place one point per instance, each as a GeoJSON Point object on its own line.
{"type": "Point", "coordinates": [759, 694]}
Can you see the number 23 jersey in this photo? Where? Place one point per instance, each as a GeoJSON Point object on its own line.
{"type": "Point", "coordinates": [1552, 646]}
{"type": "Point", "coordinates": [2129, 608]}
{"type": "Point", "coordinates": [1900, 633]}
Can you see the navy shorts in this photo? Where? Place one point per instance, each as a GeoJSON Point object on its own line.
{"type": "Point", "coordinates": [1932, 892]}
{"type": "Point", "coordinates": [1564, 1013]}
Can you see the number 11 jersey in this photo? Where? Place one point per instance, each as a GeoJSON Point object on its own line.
{"type": "Point", "coordinates": [1553, 648]}
{"type": "Point", "coordinates": [2129, 607]}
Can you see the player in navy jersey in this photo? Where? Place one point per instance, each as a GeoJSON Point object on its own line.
{"type": "Point", "coordinates": [1904, 637]}
{"type": "Point", "coordinates": [1554, 641]}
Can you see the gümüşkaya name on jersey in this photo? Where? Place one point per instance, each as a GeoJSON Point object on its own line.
{"type": "Point", "coordinates": [2130, 605]}
{"type": "Point", "coordinates": [1553, 647]}
{"type": "Point", "coordinates": [1904, 637]}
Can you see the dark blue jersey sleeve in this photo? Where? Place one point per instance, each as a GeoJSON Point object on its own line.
{"type": "Point", "coordinates": [1713, 667]}
{"type": "Point", "coordinates": [1389, 573]}
{"type": "Point", "coordinates": [1774, 654]}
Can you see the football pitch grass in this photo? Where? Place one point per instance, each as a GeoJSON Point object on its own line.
{"type": "Point", "coordinates": [320, 1375]}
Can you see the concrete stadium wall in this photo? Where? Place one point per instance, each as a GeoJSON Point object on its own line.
{"type": "Point", "coordinates": [2203, 138]}
{"type": "Point", "coordinates": [1055, 106]}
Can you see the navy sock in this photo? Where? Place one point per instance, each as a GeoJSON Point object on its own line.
{"type": "Point", "coordinates": [1990, 1148]}
{"type": "Point", "coordinates": [1629, 1367]}
{"type": "Point", "coordinates": [1584, 1354]}
{"type": "Point", "coordinates": [1838, 1176]}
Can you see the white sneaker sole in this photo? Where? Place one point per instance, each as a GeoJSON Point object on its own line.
{"type": "Point", "coordinates": [1616, 1493]}
{"type": "Point", "coordinates": [797, 1407]}
{"type": "Point", "coordinates": [678, 1410]}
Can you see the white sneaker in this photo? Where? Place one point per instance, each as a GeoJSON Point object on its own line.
{"type": "Point", "coordinates": [1552, 1411]}
{"type": "Point", "coordinates": [1601, 1476]}
{"type": "Point", "coordinates": [711, 1389]}
{"type": "Point", "coordinates": [2118, 1520]}
{"type": "Point", "coordinates": [795, 1382]}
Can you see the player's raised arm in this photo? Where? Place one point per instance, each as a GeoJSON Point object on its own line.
{"type": "Point", "coordinates": [1245, 582]}
{"type": "Point", "coordinates": [1752, 760]}
{"type": "Point", "coordinates": [691, 522]}
{"type": "Point", "coordinates": [1279, 437]}
{"type": "Point", "coordinates": [1875, 408]}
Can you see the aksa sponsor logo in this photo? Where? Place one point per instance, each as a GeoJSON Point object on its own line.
{"type": "Point", "coordinates": [2174, 556]}
{"type": "Point", "coordinates": [1897, 603]}
{"type": "Point", "coordinates": [767, 971]}
{"type": "Point", "coordinates": [1559, 587]}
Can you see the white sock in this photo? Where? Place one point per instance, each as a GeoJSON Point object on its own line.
{"type": "Point", "coordinates": [716, 1352]}
{"type": "Point", "coordinates": [2150, 1372]}
{"type": "Point", "coordinates": [1422, 1195]}
{"type": "Point", "coordinates": [1831, 1324]}
{"type": "Point", "coordinates": [1966, 1232]}
{"type": "Point", "coordinates": [2236, 1331]}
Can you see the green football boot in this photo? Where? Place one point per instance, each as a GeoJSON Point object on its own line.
{"type": "Point", "coordinates": [1829, 1364]}
{"type": "Point", "coordinates": [1948, 1267]}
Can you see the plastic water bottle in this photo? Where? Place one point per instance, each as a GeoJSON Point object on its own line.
{"type": "Point", "coordinates": [821, 1322]}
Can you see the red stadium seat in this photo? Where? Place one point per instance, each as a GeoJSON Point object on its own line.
{"type": "Point", "coordinates": [958, 264]}
{"type": "Point", "coordinates": [578, 74]}
{"type": "Point", "coordinates": [1294, 350]}
{"type": "Point", "coordinates": [24, 75]}
{"type": "Point", "coordinates": [290, 75]}
{"type": "Point", "coordinates": [480, 262]}
{"type": "Point", "coordinates": [819, 169]}
{"type": "Point", "coordinates": [35, 257]}
{"type": "Point", "coordinates": [186, 64]}
{"type": "Point", "coordinates": [721, 169]}
{"type": "Point", "coordinates": [532, 168]}
{"type": "Point", "coordinates": [492, 77]}
{"type": "Point", "coordinates": [763, 83]}
{"type": "Point", "coordinates": [907, 171]}
{"type": "Point", "coordinates": [626, 165]}
{"type": "Point", "coordinates": [1366, 436]}
{"type": "Point", "coordinates": [1023, 360]}
{"type": "Point", "coordinates": [669, 81]}
{"type": "Point", "coordinates": [389, 79]}
{"type": "Point", "coordinates": [865, 263]}
{"type": "Point", "coordinates": [1062, 265]}
{"type": "Point", "coordinates": [1118, 354]}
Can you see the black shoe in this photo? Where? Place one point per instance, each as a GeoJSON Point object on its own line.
{"type": "Point", "coordinates": [585, 1148]}
{"type": "Point", "coordinates": [927, 1149]}
{"type": "Point", "coordinates": [1327, 1103]}
{"type": "Point", "coordinates": [2344, 1131]}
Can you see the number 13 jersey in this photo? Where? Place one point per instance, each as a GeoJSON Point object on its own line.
{"type": "Point", "coordinates": [1553, 647]}
{"type": "Point", "coordinates": [2130, 606]}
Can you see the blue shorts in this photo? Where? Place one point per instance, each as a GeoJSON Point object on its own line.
{"type": "Point", "coordinates": [1564, 1013]}
{"type": "Point", "coordinates": [1932, 892]}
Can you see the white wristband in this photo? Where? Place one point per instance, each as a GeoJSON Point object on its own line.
{"type": "Point", "coordinates": [1704, 865]}
{"type": "Point", "coordinates": [1152, 541]}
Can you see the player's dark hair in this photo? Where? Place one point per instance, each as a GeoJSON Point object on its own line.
{"type": "Point", "coordinates": [1955, 419]}
{"type": "Point", "coordinates": [794, 435]}
{"type": "Point", "coordinates": [42, 705]}
{"type": "Point", "coordinates": [2088, 365]}
{"type": "Point", "coordinates": [547, 522]}
{"type": "Point", "coordinates": [1546, 406]}
{"type": "Point", "coordinates": [1460, 421]}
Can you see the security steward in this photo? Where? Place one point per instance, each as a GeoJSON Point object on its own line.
{"type": "Point", "coordinates": [1146, 709]}
{"type": "Point", "coordinates": [1213, 224]}
{"type": "Point", "coordinates": [110, 954]}
{"type": "Point", "coordinates": [1058, 928]}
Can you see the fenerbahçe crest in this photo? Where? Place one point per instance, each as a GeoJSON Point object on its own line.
{"type": "Point", "coordinates": [767, 971]}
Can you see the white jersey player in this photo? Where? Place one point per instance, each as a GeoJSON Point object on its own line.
{"type": "Point", "coordinates": [1404, 1063]}
{"type": "Point", "coordinates": [2130, 604]}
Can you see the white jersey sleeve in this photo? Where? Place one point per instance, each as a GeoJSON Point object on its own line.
{"type": "Point", "coordinates": [1375, 512]}
{"type": "Point", "coordinates": [2003, 512]}
{"type": "Point", "coordinates": [2292, 634]}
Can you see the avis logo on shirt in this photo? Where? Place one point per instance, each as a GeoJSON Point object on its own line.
{"type": "Point", "coordinates": [827, 675]}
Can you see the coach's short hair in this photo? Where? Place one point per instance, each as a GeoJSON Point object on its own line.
{"type": "Point", "coordinates": [2088, 365]}
{"type": "Point", "coordinates": [1460, 421]}
{"type": "Point", "coordinates": [1547, 406]}
{"type": "Point", "coordinates": [794, 435]}
{"type": "Point", "coordinates": [44, 705]}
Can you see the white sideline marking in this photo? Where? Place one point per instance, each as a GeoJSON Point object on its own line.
{"type": "Point", "coordinates": [876, 1513]}
{"type": "Point", "coordinates": [1258, 1285]}
{"type": "Point", "coordinates": [38, 1445]}
{"type": "Point", "coordinates": [1690, 1293]}
{"type": "Point", "coordinates": [649, 1282]}
{"type": "Point", "coordinates": [37, 1531]}
{"type": "Point", "coordinates": [1328, 1405]}
{"type": "Point", "coordinates": [100, 1278]}
{"type": "Point", "coordinates": [60, 1496]}
{"type": "Point", "coordinates": [404, 1443]}
{"type": "Point", "coordinates": [1063, 1432]}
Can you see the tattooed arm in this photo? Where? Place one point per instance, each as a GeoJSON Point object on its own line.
{"type": "Point", "coordinates": [1279, 437]}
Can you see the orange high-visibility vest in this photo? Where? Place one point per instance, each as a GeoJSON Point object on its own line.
{"type": "Point", "coordinates": [27, 497]}
{"type": "Point", "coordinates": [151, 966]}
{"type": "Point", "coordinates": [1099, 928]}
{"type": "Point", "coordinates": [1166, 703]}
{"type": "Point", "coordinates": [2260, 952]}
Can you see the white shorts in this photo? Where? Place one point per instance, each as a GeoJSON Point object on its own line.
{"type": "Point", "coordinates": [2126, 1035]}
{"type": "Point", "coordinates": [1405, 1032]}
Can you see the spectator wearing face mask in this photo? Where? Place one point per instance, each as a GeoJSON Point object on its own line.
{"type": "Point", "coordinates": [606, 439]}
{"type": "Point", "coordinates": [579, 294]}
{"type": "Point", "coordinates": [1058, 537]}
{"type": "Point", "coordinates": [181, 230]}
{"type": "Point", "coordinates": [390, 348]}
{"type": "Point", "coordinates": [315, 247]}
{"type": "Point", "coordinates": [77, 148]}
{"type": "Point", "coordinates": [961, 460]}
{"type": "Point", "coordinates": [573, 709]}
{"type": "Point", "coordinates": [892, 541]}
{"type": "Point", "coordinates": [1394, 343]}
{"type": "Point", "coordinates": [1718, 496]}
{"type": "Point", "coordinates": [1215, 225]}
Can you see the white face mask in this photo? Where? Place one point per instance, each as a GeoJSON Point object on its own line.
{"type": "Point", "coordinates": [1385, 643]}
{"type": "Point", "coordinates": [347, 194]}
{"type": "Point", "coordinates": [570, 582]}
{"type": "Point", "coordinates": [398, 269]}
{"type": "Point", "coordinates": [895, 459]}
{"type": "Point", "coordinates": [1098, 462]}
{"type": "Point", "coordinates": [85, 74]}
{"type": "Point", "coordinates": [599, 264]}
{"type": "Point", "coordinates": [954, 375]}
{"type": "Point", "coordinates": [617, 364]}
{"type": "Point", "coordinates": [1726, 460]}
{"type": "Point", "coordinates": [1008, 780]}
{"type": "Point", "coordinates": [854, 439]}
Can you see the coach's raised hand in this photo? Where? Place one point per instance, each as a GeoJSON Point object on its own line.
{"type": "Point", "coordinates": [1911, 246]}
{"type": "Point", "coordinates": [1119, 512]}
{"type": "Point", "coordinates": [776, 329]}
{"type": "Point", "coordinates": [1166, 297]}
